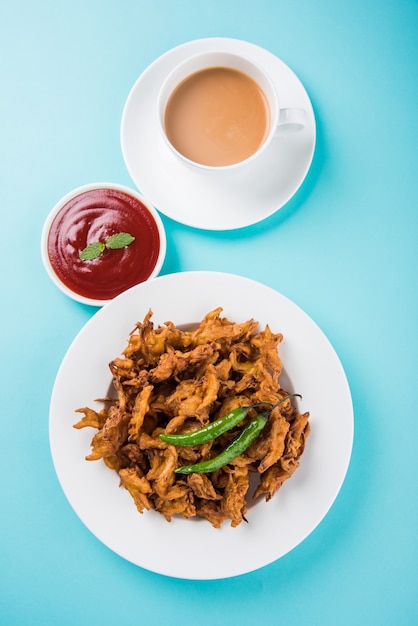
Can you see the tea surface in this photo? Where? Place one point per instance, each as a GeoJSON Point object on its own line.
{"type": "Point", "coordinates": [217, 116]}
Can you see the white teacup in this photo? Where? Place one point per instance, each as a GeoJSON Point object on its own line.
{"type": "Point", "coordinates": [219, 111]}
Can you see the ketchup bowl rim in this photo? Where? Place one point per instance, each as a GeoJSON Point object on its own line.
{"type": "Point", "coordinates": [76, 192]}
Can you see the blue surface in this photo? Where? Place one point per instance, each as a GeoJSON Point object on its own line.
{"type": "Point", "coordinates": [344, 249]}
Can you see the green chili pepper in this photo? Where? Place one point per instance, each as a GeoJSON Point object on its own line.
{"type": "Point", "coordinates": [236, 447]}
{"type": "Point", "coordinates": [213, 430]}
{"type": "Point", "coordinates": [218, 427]}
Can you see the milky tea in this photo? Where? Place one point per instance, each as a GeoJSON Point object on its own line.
{"type": "Point", "coordinates": [217, 116]}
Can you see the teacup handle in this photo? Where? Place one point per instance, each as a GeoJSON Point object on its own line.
{"type": "Point", "coordinates": [291, 121]}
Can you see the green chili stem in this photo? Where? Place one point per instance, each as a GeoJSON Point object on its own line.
{"type": "Point", "coordinates": [290, 395]}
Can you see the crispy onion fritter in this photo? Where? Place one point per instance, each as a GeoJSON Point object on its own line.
{"type": "Point", "coordinates": [174, 381]}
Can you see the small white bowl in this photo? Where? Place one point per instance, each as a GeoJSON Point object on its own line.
{"type": "Point", "coordinates": [92, 213]}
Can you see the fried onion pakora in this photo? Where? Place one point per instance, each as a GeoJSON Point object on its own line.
{"type": "Point", "coordinates": [170, 380]}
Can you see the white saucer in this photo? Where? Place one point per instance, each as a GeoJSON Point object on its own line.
{"type": "Point", "coordinates": [203, 201]}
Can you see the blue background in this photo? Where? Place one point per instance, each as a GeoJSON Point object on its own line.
{"type": "Point", "coordinates": [344, 249]}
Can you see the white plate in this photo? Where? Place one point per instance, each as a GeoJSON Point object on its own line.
{"type": "Point", "coordinates": [193, 549]}
{"type": "Point", "coordinates": [202, 201]}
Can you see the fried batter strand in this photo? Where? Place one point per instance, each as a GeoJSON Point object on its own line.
{"type": "Point", "coordinates": [233, 503]}
{"type": "Point", "coordinates": [202, 487]}
{"type": "Point", "coordinates": [138, 487]}
{"type": "Point", "coordinates": [171, 380]}
{"type": "Point", "coordinates": [272, 479]}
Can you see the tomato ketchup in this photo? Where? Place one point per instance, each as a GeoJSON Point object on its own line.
{"type": "Point", "coordinates": [92, 216]}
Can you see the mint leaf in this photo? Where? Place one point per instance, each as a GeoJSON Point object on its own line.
{"type": "Point", "coordinates": [95, 249]}
{"type": "Point", "coordinates": [120, 240]}
{"type": "Point", "coordinates": [92, 251]}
